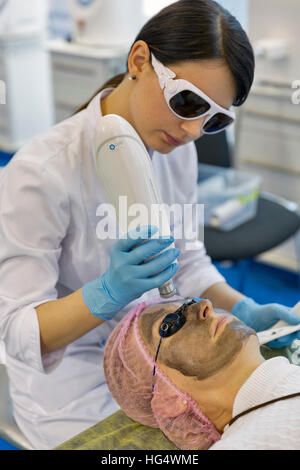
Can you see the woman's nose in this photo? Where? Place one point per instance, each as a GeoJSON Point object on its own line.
{"type": "Point", "coordinates": [204, 309]}
{"type": "Point", "coordinates": [193, 128]}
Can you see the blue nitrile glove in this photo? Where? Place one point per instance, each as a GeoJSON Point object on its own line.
{"type": "Point", "coordinates": [262, 317]}
{"type": "Point", "coordinates": [127, 278]}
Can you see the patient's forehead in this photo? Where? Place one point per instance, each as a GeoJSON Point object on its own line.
{"type": "Point", "coordinates": [168, 306]}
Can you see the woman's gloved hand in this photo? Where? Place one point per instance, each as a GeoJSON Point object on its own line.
{"type": "Point", "coordinates": [127, 278]}
{"type": "Point", "coordinates": [262, 317]}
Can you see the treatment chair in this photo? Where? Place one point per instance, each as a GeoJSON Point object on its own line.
{"type": "Point", "coordinates": [9, 430]}
{"type": "Point", "coordinates": [276, 220]}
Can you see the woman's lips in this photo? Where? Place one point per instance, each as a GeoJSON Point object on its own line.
{"type": "Point", "coordinates": [172, 141]}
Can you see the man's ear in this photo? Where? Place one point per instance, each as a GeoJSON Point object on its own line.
{"type": "Point", "coordinates": [169, 405]}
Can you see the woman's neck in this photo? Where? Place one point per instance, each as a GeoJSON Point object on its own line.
{"type": "Point", "coordinates": [117, 102]}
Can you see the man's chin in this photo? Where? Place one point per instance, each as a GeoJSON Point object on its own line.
{"type": "Point", "coordinates": [251, 336]}
{"type": "Point", "coordinates": [243, 330]}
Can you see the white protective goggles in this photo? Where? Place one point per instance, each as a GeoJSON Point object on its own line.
{"type": "Point", "coordinates": [188, 102]}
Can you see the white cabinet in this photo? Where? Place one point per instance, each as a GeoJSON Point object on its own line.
{"type": "Point", "coordinates": [79, 71]}
{"type": "Point", "coordinates": [268, 139]}
{"type": "Point", "coordinates": [268, 144]}
{"type": "Point", "coordinates": [24, 68]}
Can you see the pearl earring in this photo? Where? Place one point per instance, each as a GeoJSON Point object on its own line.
{"type": "Point", "coordinates": [133, 77]}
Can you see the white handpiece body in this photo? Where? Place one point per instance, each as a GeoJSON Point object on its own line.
{"type": "Point", "coordinates": [125, 169]}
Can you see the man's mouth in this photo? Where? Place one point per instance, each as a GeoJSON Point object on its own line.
{"type": "Point", "coordinates": [220, 323]}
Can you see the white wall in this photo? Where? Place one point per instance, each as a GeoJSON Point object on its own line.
{"type": "Point", "coordinates": [239, 9]}
{"type": "Point", "coordinates": [152, 7]}
{"type": "Point", "coordinates": [59, 20]}
{"type": "Point", "coordinates": [22, 17]}
{"type": "Point", "coordinates": [277, 19]}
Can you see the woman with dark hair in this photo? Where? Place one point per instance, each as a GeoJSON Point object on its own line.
{"type": "Point", "coordinates": [63, 290]}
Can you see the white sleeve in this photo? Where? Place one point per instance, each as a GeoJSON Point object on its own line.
{"type": "Point", "coordinates": [196, 272]}
{"type": "Point", "coordinates": [34, 216]}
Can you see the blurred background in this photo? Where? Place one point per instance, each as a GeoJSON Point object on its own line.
{"type": "Point", "coordinates": [54, 54]}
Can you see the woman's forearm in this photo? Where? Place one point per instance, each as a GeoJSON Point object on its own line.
{"type": "Point", "coordinates": [64, 320]}
{"type": "Point", "coordinates": [223, 296]}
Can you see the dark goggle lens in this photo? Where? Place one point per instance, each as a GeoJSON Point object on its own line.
{"type": "Point", "coordinates": [217, 123]}
{"type": "Point", "coordinates": [189, 105]}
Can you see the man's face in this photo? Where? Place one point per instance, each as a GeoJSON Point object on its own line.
{"type": "Point", "coordinates": [207, 342]}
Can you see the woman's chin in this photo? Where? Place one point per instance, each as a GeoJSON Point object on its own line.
{"type": "Point", "coordinates": [163, 148]}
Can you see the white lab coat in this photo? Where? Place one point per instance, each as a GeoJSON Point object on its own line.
{"type": "Point", "coordinates": [49, 194]}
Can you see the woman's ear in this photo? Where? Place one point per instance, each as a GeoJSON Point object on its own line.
{"type": "Point", "coordinates": [139, 58]}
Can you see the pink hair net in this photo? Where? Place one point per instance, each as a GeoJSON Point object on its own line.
{"type": "Point", "coordinates": [128, 367]}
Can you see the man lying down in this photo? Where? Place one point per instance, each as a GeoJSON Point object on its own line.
{"type": "Point", "coordinates": [207, 372]}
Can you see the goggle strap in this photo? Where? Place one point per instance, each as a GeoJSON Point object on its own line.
{"type": "Point", "coordinates": [164, 74]}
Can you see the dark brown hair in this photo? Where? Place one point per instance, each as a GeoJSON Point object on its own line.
{"type": "Point", "coordinates": [197, 30]}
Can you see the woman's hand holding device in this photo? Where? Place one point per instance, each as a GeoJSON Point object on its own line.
{"type": "Point", "coordinates": [129, 276]}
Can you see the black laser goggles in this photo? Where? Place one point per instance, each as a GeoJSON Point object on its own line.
{"type": "Point", "coordinates": [174, 321]}
{"type": "Point", "coordinates": [169, 326]}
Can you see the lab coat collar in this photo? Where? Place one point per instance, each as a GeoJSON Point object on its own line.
{"type": "Point", "coordinates": [94, 108]}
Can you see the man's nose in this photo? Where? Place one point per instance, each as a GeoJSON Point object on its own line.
{"type": "Point", "coordinates": [203, 309]}
{"type": "Point", "coordinates": [193, 128]}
